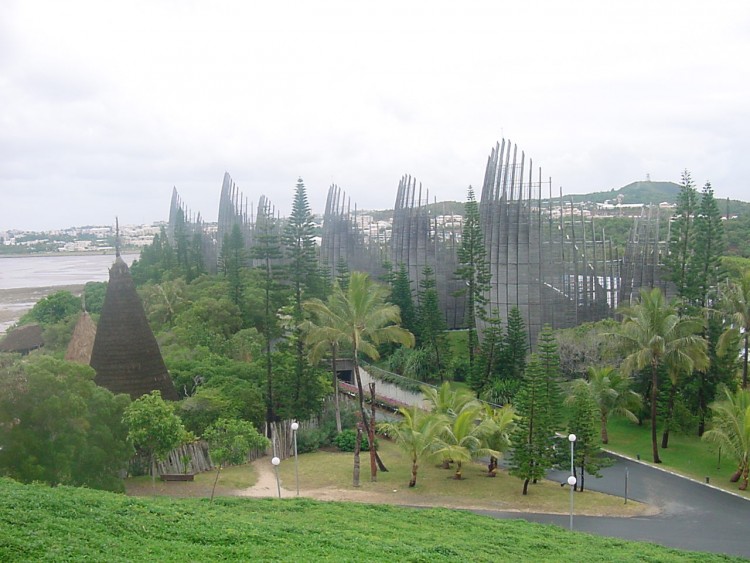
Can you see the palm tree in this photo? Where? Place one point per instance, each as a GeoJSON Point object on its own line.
{"type": "Point", "coordinates": [446, 399]}
{"type": "Point", "coordinates": [319, 340]}
{"type": "Point", "coordinates": [612, 395]}
{"type": "Point", "coordinates": [360, 317]}
{"type": "Point", "coordinates": [465, 437]}
{"type": "Point", "coordinates": [449, 401]}
{"type": "Point", "coordinates": [734, 301]}
{"type": "Point", "coordinates": [731, 429]}
{"type": "Point", "coordinates": [416, 433]}
{"type": "Point", "coordinates": [504, 419]}
{"type": "Point", "coordinates": [654, 335]}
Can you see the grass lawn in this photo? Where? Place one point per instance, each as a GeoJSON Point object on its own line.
{"type": "Point", "coordinates": [230, 479]}
{"type": "Point", "coordinates": [42, 523]}
{"type": "Point", "coordinates": [688, 455]}
{"type": "Point", "coordinates": [436, 487]}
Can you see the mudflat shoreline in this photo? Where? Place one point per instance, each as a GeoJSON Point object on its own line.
{"type": "Point", "coordinates": [17, 301]}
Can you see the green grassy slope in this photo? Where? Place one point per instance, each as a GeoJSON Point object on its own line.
{"type": "Point", "coordinates": [65, 524]}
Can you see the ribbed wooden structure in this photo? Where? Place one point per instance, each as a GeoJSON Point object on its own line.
{"type": "Point", "coordinates": [82, 342]}
{"type": "Point", "coordinates": [126, 356]}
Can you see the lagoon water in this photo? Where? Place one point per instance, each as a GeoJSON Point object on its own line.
{"type": "Point", "coordinates": [49, 271]}
{"type": "Point", "coordinates": [26, 279]}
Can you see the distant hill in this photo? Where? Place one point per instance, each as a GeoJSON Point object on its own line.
{"type": "Point", "coordinates": [637, 192]}
{"type": "Point", "coordinates": [656, 192]}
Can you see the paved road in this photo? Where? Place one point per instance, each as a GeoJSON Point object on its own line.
{"type": "Point", "coordinates": [693, 516]}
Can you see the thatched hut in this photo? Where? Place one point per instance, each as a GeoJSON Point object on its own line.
{"type": "Point", "coordinates": [125, 356]}
{"type": "Point", "coordinates": [23, 339]}
{"type": "Point", "coordinates": [82, 343]}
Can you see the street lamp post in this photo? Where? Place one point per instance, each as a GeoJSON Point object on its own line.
{"type": "Point", "coordinates": [572, 478]}
{"type": "Point", "coordinates": [295, 427]}
{"type": "Point", "coordinates": [276, 461]}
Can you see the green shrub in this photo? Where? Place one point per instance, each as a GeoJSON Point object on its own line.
{"type": "Point", "coordinates": [347, 439]}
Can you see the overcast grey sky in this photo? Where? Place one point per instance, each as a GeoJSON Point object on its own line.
{"type": "Point", "coordinates": [104, 106]}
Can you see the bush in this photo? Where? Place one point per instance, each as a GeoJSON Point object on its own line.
{"type": "Point", "coordinates": [310, 440]}
{"type": "Point", "coordinates": [347, 440]}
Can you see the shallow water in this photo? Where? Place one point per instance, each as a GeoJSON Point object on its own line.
{"type": "Point", "coordinates": [24, 280]}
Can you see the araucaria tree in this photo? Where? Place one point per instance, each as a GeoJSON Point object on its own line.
{"type": "Point", "coordinates": [473, 270]}
{"type": "Point", "coordinates": [266, 251]}
{"type": "Point", "coordinates": [360, 318]}
{"type": "Point", "coordinates": [583, 415]}
{"type": "Point", "coordinates": [682, 236]}
{"type": "Point", "coordinates": [655, 337]}
{"type": "Point", "coordinates": [303, 273]}
{"type": "Point", "coordinates": [532, 438]}
{"type": "Point", "coordinates": [430, 320]}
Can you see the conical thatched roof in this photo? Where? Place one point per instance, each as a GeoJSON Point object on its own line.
{"type": "Point", "coordinates": [82, 342]}
{"type": "Point", "coordinates": [23, 339]}
{"type": "Point", "coordinates": [126, 357]}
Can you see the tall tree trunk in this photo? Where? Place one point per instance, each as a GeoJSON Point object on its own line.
{"type": "Point", "coordinates": [526, 486]}
{"type": "Point", "coordinates": [371, 435]}
{"type": "Point", "coordinates": [459, 474]}
{"type": "Point", "coordinates": [357, 446]}
{"type": "Point", "coordinates": [216, 480]}
{"type": "Point", "coordinates": [362, 411]}
{"type": "Point", "coordinates": [744, 363]}
{"type": "Point", "coordinates": [414, 468]}
{"type": "Point", "coordinates": [336, 388]}
{"type": "Point", "coordinates": [605, 435]}
{"type": "Point", "coordinates": [654, 443]}
{"type": "Point", "coordinates": [668, 420]}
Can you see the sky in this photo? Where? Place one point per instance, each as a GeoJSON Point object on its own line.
{"type": "Point", "coordinates": [106, 106]}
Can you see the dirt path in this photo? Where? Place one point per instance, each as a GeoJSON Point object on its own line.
{"type": "Point", "coordinates": [265, 486]}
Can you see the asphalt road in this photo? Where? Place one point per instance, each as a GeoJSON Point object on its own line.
{"type": "Point", "coordinates": [693, 516]}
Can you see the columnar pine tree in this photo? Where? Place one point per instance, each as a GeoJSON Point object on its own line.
{"type": "Point", "coordinates": [531, 439]}
{"type": "Point", "coordinates": [682, 236]}
{"type": "Point", "coordinates": [430, 326]}
{"type": "Point", "coordinates": [710, 244]}
{"type": "Point", "coordinates": [550, 362]}
{"type": "Point", "coordinates": [473, 270]}
{"type": "Point", "coordinates": [516, 346]}
{"type": "Point", "coordinates": [299, 245]}
{"type": "Point", "coordinates": [234, 260]}
{"type": "Point", "coordinates": [583, 418]}
{"type": "Point", "coordinates": [490, 363]}
{"type": "Point", "coordinates": [266, 251]}
{"type": "Point", "coordinates": [402, 296]}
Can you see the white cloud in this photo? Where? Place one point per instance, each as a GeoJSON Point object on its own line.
{"type": "Point", "coordinates": [104, 106]}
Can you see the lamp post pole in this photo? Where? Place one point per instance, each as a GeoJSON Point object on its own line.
{"type": "Point", "coordinates": [295, 427]}
{"type": "Point", "coordinates": [276, 461]}
{"type": "Point", "coordinates": [572, 478]}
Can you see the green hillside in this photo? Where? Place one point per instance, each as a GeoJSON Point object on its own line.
{"type": "Point", "coordinates": [636, 192]}
{"type": "Point", "coordinates": [40, 523]}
